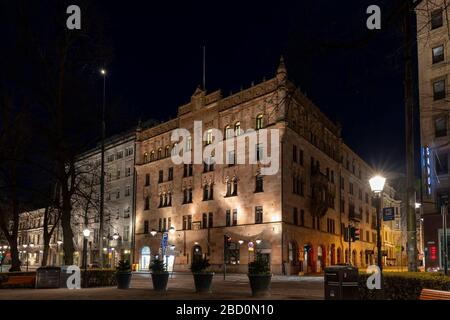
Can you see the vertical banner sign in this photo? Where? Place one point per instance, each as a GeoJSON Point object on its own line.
{"type": "Point", "coordinates": [164, 239]}
{"type": "Point", "coordinates": [388, 214]}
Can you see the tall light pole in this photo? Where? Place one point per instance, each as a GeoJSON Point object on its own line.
{"type": "Point", "coordinates": [59, 243]}
{"type": "Point", "coordinates": [102, 171]}
{"type": "Point", "coordinates": [377, 186]}
{"type": "Point", "coordinates": [86, 234]}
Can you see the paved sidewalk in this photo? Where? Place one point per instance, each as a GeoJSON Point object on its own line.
{"type": "Point", "coordinates": [181, 286]}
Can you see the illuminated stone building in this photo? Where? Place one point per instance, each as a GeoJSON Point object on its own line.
{"type": "Point", "coordinates": [296, 217]}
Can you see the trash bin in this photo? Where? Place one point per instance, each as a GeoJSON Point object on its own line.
{"type": "Point", "coordinates": [341, 283]}
{"type": "Point", "coordinates": [47, 277]}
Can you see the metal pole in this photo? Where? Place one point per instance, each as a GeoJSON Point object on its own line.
{"type": "Point", "coordinates": [444, 240]}
{"type": "Point", "coordinates": [379, 256]}
{"type": "Point", "coordinates": [85, 260]}
{"type": "Point", "coordinates": [102, 175]}
{"type": "Point", "coordinates": [26, 251]}
{"type": "Point", "coordinates": [409, 134]}
{"type": "Point", "coordinates": [349, 233]}
{"type": "Point", "coordinates": [224, 256]}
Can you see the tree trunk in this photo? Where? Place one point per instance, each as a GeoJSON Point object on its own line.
{"type": "Point", "coordinates": [45, 255]}
{"type": "Point", "coordinates": [67, 234]}
{"type": "Point", "coordinates": [15, 262]}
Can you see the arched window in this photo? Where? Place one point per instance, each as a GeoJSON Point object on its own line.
{"type": "Point", "coordinates": [237, 129]}
{"type": "Point", "coordinates": [167, 152]}
{"type": "Point", "coordinates": [152, 156]}
{"type": "Point", "coordinates": [145, 157]}
{"type": "Point", "coordinates": [235, 186]}
{"type": "Point", "coordinates": [175, 149]}
{"type": "Point", "coordinates": [228, 132]}
{"type": "Point", "coordinates": [159, 153]}
{"type": "Point", "coordinates": [259, 122]}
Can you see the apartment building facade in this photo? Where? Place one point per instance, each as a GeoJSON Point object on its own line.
{"type": "Point", "coordinates": [433, 52]}
{"type": "Point", "coordinates": [296, 217]}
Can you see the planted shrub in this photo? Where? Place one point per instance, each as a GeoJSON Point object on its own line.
{"type": "Point", "coordinates": [200, 265]}
{"type": "Point", "coordinates": [158, 266]}
{"type": "Point", "coordinates": [259, 267]}
{"type": "Point", "coordinates": [403, 286]}
{"type": "Point", "coordinates": [124, 266]}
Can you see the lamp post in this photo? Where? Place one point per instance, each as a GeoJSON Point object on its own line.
{"type": "Point", "coordinates": [377, 186]}
{"type": "Point", "coordinates": [59, 243]}
{"type": "Point", "coordinates": [102, 169]}
{"type": "Point", "coordinates": [86, 234]}
{"type": "Point", "coordinates": [444, 209]}
{"type": "Point", "coordinates": [116, 237]}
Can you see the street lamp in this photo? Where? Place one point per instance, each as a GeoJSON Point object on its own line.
{"type": "Point", "coordinates": [26, 252]}
{"type": "Point", "coordinates": [86, 234]}
{"type": "Point", "coordinates": [171, 230]}
{"type": "Point", "coordinates": [59, 243]}
{"type": "Point", "coordinates": [115, 236]}
{"type": "Point", "coordinates": [102, 166]}
{"type": "Point", "coordinates": [377, 186]}
{"type": "Point", "coordinates": [153, 232]}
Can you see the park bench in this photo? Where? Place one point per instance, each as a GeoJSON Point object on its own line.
{"type": "Point", "coordinates": [428, 294]}
{"type": "Point", "coordinates": [19, 281]}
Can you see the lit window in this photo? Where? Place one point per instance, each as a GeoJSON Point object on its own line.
{"type": "Point", "coordinates": [237, 129]}
{"type": "Point", "coordinates": [259, 122]}
{"type": "Point", "coordinates": [438, 54]}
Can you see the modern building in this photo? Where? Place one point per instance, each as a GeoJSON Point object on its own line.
{"type": "Point", "coordinates": [433, 57]}
{"type": "Point", "coordinates": [296, 216]}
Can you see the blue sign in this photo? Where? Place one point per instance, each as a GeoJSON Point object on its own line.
{"type": "Point", "coordinates": [389, 214]}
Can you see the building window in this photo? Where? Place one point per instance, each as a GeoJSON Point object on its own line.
{"type": "Point", "coordinates": [208, 193]}
{"type": "Point", "coordinates": [161, 176]}
{"type": "Point", "coordinates": [442, 163]}
{"type": "Point", "coordinates": [128, 172]}
{"type": "Point", "coordinates": [110, 158]}
{"type": "Point", "coordinates": [167, 152]}
{"type": "Point", "coordinates": [259, 122]}
{"type": "Point", "coordinates": [295, 216]}
{"type": "Point", "coordinates": [436, 19]}
{"type": "Point", "coordinates": [438, 54]}
{"type": "Point", "coordinates": [258, 214]}
{"type": "Point", "coordinates": [119, 155]}
{"type": "Point", "coordinates": [204, 221]}
{"type": "Point", "coordinates": [126, 233]}
{"type": "Point", "coordinates": [440, 127]}
{"type": "Point", "coordinates": [237, 129]}
{"type": "Point", "coordinates": [228, 132]}
{"type": "Point", "coordinates": [231, 158]}
{"type": "Point", "coordinates": [161, 200]}
{"type": "Point", "coordinates": [187, 195]}
{"type": "Point", "coordinates": [302, 217]}
{"type": "Point", "coordinates": [259, 183]}
{"type": "Point", "coordinates": [259, 152]}
{"type": "Point", "coordinates": [439, 90]}
{"type": "Point", "coordinates": [146, 226]}
{"type": "Point", "coordinates": [235, 217]}
{"type": "Point", "coordinates": [159, 153]}
{"type": "Point", "coordinates": [147, 203]}
{"type": "Point", "coordinates": [118, 194]}
{"type": "Point", "coordinates": [235, 187]}
{"type": "Point", "coordinates": [147, 179]}
{"type": "Point", "coordinates": [170, 178]}
{"type": "Point", "coordinates": [128, 151]}
{"type": "Point", "coordinates": [294, 153]}
{"type": "Point", "coordinates": [301, 157]}
{"type": "Point", "coordinates": [127, 191]}
{"type": "Point", "coordinates": [210, 220]}
{"type": "Point", "coordinates": [209, 136]}
{"type": "Point", "coordinates": [228, 217]}
{"type": "Point", "coordinates": [118, 174]}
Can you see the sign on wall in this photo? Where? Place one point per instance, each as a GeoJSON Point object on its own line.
{"type": "Point", "coordinates": [388, 214]}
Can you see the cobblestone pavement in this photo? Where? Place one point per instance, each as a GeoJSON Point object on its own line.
{"type": "Point", "coordinates": [181, 286]}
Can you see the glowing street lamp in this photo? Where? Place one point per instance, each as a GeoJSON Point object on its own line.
{"type": "Point", "coordinates": [171, 230]}
{"type": "Point", "coordinates": [377, 185]}
{"type": "Point", "coordinates": [241, 242]}
{"type": "Point", "coordinates": [153, 232]}
{"type": "Point", "coordinates": [116, 236]}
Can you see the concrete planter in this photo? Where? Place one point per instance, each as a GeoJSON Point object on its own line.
{"type": "Point", "coordinates": [123, 280]}
{"type": "Point", "coordinates": [203, 282]}
{"type": "Point", "coordinates": [160, 280]}
{"type": "Point", "coordinates": [260, 284]}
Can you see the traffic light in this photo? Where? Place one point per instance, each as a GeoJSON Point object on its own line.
{"type": "Point", "coordinates": [354, 233]}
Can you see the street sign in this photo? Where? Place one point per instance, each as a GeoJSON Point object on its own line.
{"type": "Point", "coordinates": [388, 214]}
{"type": "Point", "coordinates": [164, 240]}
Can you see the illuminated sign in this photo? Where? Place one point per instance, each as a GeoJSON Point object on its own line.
{"type": "Point", "coordinates": [433, 253]}
{"type": "Point", "coordinates": [426, 165]}
{"type": "Point", "coordinates": [388, 214]}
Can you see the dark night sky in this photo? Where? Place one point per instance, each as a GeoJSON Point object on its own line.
{"type": "Point", "coordinates": [158, 61]}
